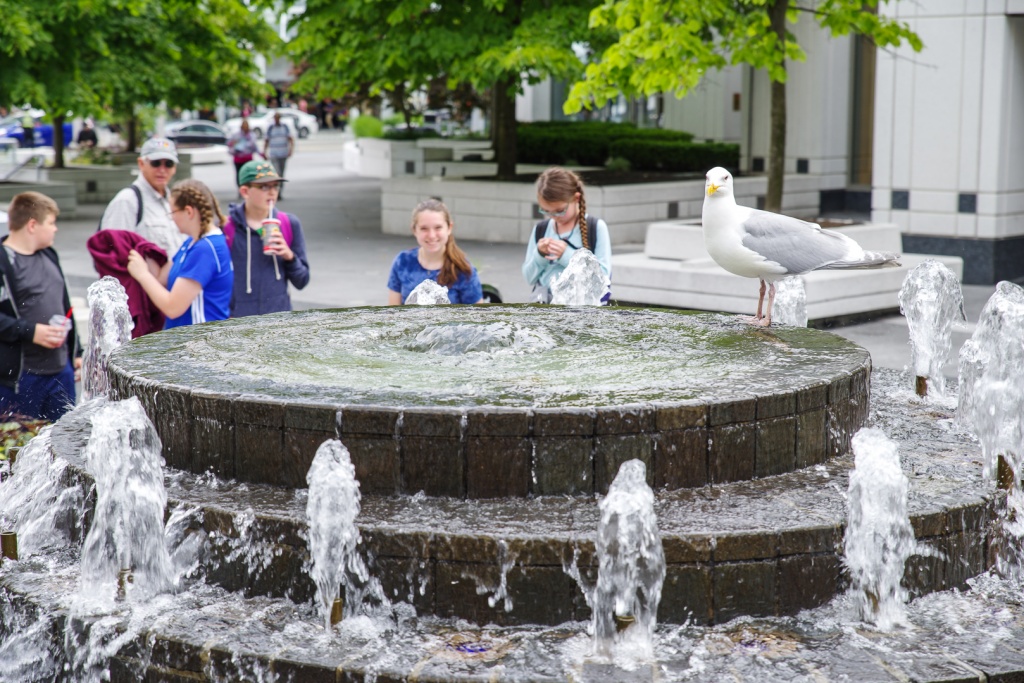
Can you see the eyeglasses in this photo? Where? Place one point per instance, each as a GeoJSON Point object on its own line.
{"type": "Point", "coordinates": [170, 214]}
{"type": "Point", "coordinates": [268, 187]}
{"type": "Point", "coordinates": [554, 214]}
{"type": "Point", "coordinates": [157, 163]}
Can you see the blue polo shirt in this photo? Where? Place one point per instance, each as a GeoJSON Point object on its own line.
{"type": "Point", "coordinates": [407, 273]}
{"type": "Point", "coordinates": [208, 262]}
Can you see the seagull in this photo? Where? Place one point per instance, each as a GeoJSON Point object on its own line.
{"type": "Point", "coordinates": [770, 246]}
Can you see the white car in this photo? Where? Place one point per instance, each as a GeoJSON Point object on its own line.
{"type": "Point", "coordinates": [258, 124]}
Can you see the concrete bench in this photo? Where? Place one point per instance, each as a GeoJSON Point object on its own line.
{"type": "Point", "coordinates": [675, 270]}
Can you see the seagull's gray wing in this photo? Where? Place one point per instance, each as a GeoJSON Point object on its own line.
{"type": "Point", "coordinates": [798, 246]}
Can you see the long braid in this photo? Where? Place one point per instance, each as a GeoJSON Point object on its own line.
{"type": "Point", "coordinates": [583, 216]}
{"type": "Point", "coordinates": [196, 194]}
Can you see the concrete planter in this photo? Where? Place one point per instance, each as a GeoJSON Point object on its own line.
{"type": "Point", "coordinates": [379, 158]}
{"type": "Point", "coordinates": [97, 184]}
{"type": "Point", "coordinates": [498, 211]}
{"type": "Point", "coordinates": [61, 192]}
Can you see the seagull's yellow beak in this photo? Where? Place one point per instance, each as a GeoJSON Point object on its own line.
{"type": "Point", "coordinates": [712, 188]}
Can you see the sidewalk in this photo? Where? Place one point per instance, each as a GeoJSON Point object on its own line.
{"type": "Point", "coordinates": [350, 258]}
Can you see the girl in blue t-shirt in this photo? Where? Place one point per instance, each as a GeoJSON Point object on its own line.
{"type": "Point", "coordinates": [437, 258]}
{"type": "Point", "coordinates": [195, 286]}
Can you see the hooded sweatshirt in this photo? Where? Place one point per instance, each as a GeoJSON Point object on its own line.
{"type": "Point", "coordinates": [261, 280]}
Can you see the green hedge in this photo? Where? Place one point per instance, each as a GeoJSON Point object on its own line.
{"type": "Point", "coordinates": [679, 157]}
{"type": "Point", "coordinates": [580, 142]}
{"type": "Point", "coordinates": [367, 126]}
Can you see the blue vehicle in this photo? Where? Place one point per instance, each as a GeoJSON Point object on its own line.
{"type": "Point", "coordinates": [11, 127]}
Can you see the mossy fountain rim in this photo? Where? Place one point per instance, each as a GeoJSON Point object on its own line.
{"type": "Point", "coordinates": [779, 399]}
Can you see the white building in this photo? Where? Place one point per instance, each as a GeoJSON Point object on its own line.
{"type": "Point", "coordinates": [933, 141]}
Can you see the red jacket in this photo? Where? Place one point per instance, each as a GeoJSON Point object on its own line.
{"type": "Point", "coordinates": [109, 250]}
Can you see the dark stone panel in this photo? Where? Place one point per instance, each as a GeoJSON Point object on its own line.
{"type": "Point", "coordinates": [807, 581]}
{"type": "Point", "coordinates": [686, 549]}
{"type": "Point", "coordinates": [173, 653]}
{"type": "Point", "coordinates": [624, 419]}
{"type": "Point", "coordinates": [377, 462]}
{"type": "Point", "coordinates": [287, 670]}
{"type": "Point", "coordinates": [462, 548]}
{"type": "Point", "coordinates": [369, 420]}
{"type": "Point", "coordinates": [300, 447]}
{"type": "Point", "coordinates": [776, 405]}
{"type": "Point", "coordinates": [283, 577]}
{"type": "Point", "coordinates": [230, 665]}
{"type": "Point", "coordinates": [930, 524]}
{"type": "Point", "coordinates": [544, 594]}
{"type": "Point", "coordinates": [986, 261]}
{"type": "Point", "coordinates": [839, 389]}
{"type": "Point", "coordinates": [213, 447]}
{"type": "Point", "coordinates": [213, 406]}
{"type": "Point", "coordinates": [776, 446]}
{"type": "Point", "coordinates": [745, 546]}
{"type": "Point", "coordinates": [729, 412]}
{"type": "Point", "coordinates": [811, 539]}
{"type": "Point", "coordinates": [434, 466]}
{"type": "Point", "coordinates": [263, 413]}
{"type": "Point", "coordinates": [900, 200]}
{"type": "Point", "coordinates": [967, 202]}
{"type": "Point", "coordinates": [540, 595]}
{"type": "Point", "coordinates": [437, 423]}
{"type": "Point", "coordinates": [408, 580]}
{"type": "Point", "coordinates": [497, 466]}
{"type": "Point", "coordinates": [173, 424]}
{"type": "Point", "coordinates": [731, 452]}
{"type": "Point", "coordinates": [811, 438]}
{"type": "Point", "coordinates": [679, 416]}
{"type": "Point", "coordinates": [803, 165]}
{"type": "Point", "coordinates": [744, 588]}
{"type": "Point", "coordinates": [965, 558]}
{"type": "Point", "coordinates": [312, 417]}
{"type": "Point", "coordinates": [498, 422]}
{"type": "Point", "coordinates": [681, 459]}
{"type": "Point", "coordinates": [611, 451]}
{"type": "Point", "coordinates": [563, 465]}
{"type": "Point", "coordinates": [686, 594]}
{"type": "Point", "coordinates": [812, 398]}
{"type": "Point", "coordinates": [925, 574]}
{"type": "Point", "coordinates": [563, 422]}
{"type": "Point", "coordinates": [386, 543]}
{"type": "Point", "coordinates": [258, 452]}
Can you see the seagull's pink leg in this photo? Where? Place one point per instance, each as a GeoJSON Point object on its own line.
{"type": "Point", "coordinates": [771, 304]}
{"type": "Point", "coordinates": [760, 302]}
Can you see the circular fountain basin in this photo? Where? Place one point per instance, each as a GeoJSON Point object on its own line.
{"type": "Point", "coordinates": [497, 401]}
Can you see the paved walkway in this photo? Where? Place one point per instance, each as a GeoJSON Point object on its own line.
{"type": "Point", "coordinates": [350, 258]}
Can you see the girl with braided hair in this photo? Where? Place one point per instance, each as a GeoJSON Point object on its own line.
{"type": "Point", "coordinates": [437, 258]}
{"type": "Point", "coordinates": [195, 286]}
{"type": "Point", "coordinates": [566, 228]}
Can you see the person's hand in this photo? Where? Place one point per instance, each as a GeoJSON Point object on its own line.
{"type": "Point", "coordinates": [551, 248]}
{"type": "Point", "coordinates": [137, 266]}
{"type": "Point", "coordinates": [48, 336]}
{"type": "Point", "coordinates": [78, 369]}
{"type": "Point", "coordinates": [278, 247]}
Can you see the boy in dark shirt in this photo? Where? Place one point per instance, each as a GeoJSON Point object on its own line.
{"type": "Point", "coordinates": [37, 359]}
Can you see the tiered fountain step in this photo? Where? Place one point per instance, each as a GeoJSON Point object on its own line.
{"type": "Point", "coordinates": [765, 547]}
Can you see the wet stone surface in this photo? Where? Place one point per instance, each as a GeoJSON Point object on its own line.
{"type": "Point", "coordinates": [566, 394]}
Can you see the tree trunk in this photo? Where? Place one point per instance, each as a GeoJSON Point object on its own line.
{"type": "Point", "coordinates": [58, 141]}
{"type": "Point", "coordinates": [777, 143]}
{"type": "Point", "coordinates": [132, 130]}
{"type": "Point", "coordinates": [504, 126]}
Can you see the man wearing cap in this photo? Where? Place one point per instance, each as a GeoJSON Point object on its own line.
{"type": "Point", "coordinates": [144, 207]}
{"type": "Point", "coordinates": [279, 144]}
{"type": "Point", "coordinates": [263, 267]}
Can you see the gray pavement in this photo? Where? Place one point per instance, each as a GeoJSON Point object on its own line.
{"type": "Point", "coordinates": [350, 257]}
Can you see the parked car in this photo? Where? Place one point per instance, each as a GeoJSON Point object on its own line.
{"type": "Point", "coordinates": [258, 124]}
{"type": "Point", "coordinates": [11, 127]}
{"type": "Point", "coordinates": [305, 124]}
{"type": "Point", "coordinates": [195, 133]}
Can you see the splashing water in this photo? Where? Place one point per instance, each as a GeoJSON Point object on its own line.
{"type": "Point", "coordinates": [41, 501]}
{"type": "Point", "coordinates": [879, 538]}
{"type": "Point", "coordinates": [428, 293]}
{"type": "Point", "coordinates": [110, 326]}
{"type": "Point", "coordinates": [127, 533]}
{"type": "Point", "coordinates": [331, 510]}
{"type": "Point", "coordinates": [790, 306]}
{"type": "Point", "coordinates": [931, 300]}
{"type": "Point", "coordinates": [582, 283]}
{"type": "Point", "coordinates": [631, 565]}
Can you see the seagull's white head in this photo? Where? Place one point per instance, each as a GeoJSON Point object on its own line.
{"type": "Point", "coordinates": [719, 183]}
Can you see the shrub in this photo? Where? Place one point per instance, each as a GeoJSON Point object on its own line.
{"type": "Point", "coordinates": [410, 133]}
{"type": "Point", "coordinates": [367, 126]}
{"type": "Point", "coordinates": [587, 142]}
{"type": "Point", "coordinates": [679, 157]}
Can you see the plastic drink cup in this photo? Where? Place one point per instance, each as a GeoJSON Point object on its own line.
{"type": "Point", "coordinates": [62, 321]}
{"type": "Point", "coordinates": [270, 228]}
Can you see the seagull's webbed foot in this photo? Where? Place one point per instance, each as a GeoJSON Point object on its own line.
{"type": "Point", "coordinates": [759, 319]}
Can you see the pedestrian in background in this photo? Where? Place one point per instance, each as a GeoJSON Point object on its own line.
{"type": "Point", "coordinates": [278, 145]}
{"type": "Point", "coordinates": [243, 147]}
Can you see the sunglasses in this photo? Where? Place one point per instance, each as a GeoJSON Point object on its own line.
{"type": "Point", "coordinates": [555, 214]}
{"type": "Point", "coordinates": [157, 163]}
{"type": "Point", "coordinates": [267, 187]}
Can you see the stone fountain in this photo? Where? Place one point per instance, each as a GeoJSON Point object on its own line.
{"type": "Point", "coordinates": [483, 440]}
